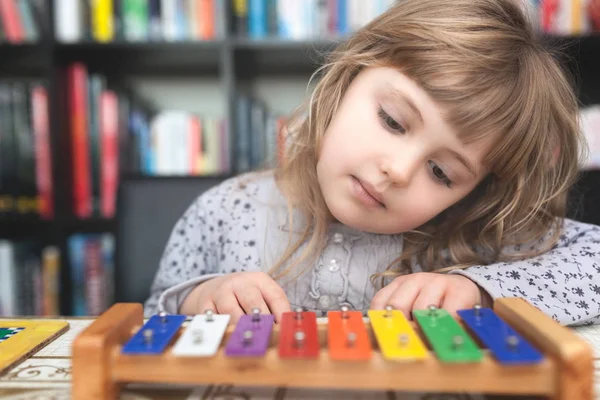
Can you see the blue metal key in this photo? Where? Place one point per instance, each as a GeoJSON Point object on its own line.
{"type": "Point", "coordinates": [506, 345]}
{"type": "Point", "coordinates": [155, 335]}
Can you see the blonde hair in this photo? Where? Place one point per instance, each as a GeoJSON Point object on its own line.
{"type": "Point", "coordinates": [480, 60]}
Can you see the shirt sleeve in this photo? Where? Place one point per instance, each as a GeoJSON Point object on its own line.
{"type": "Point", "coordinates": [190, 256]}
{"type": "Point", "coordinates": [563, 282]}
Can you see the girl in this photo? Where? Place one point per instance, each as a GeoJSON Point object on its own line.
{"type": "Point", "coordinates": [431, 168]}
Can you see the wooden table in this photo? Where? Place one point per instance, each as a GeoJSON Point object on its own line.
{"type": "Point", "coordinates": [47, 375]}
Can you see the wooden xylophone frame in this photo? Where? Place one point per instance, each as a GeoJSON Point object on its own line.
{"type": "Point", "coordinates": [566, 373]}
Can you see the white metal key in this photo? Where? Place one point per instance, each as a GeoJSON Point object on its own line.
{"type": "Point", "coordinates": [202, 336]}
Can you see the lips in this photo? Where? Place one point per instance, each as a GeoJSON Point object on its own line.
{"type": "Point", "coordinates": [370, 190]}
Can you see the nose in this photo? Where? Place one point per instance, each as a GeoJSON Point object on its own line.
{"type": "Point", "coordinates": [401, 170]}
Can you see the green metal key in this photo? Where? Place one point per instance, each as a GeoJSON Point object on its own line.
{"type": "Point", "coordinates": [449, 341]}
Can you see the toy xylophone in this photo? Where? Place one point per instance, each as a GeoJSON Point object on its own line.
{"type": "Point", "coordinates": [510, 349]}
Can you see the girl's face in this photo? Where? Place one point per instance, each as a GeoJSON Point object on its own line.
{"type": "Point", "coordinates": [389, 162]}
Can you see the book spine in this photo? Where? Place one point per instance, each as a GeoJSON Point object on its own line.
{"type": "Point", "coordinates": [102, 20]}
{"type": "Point", "coordinates": [41, 129]}
{"type": "Point", "coordinates": [110, 152]}
{"type": "Point", "coordinates": [8, 160]}
{"type": "Point", "coordinates": [51, 281]}
{"type": "Point", "coordinates": [11, 21]}
{"type": "Point", "coordinates": [78, 106]}
{"type": "Point", "coordinates": [68, 21]}
{"type": "Point", "coordinates": [76, 245]}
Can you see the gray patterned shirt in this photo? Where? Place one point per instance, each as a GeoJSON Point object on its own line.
{"type": "Point", "coordinates": [242, 225]}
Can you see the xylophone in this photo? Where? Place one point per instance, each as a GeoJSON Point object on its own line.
{"type": "Point", "coordinates": [511, 349]}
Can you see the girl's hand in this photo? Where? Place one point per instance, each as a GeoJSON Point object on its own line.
{"type": "Point", "coordinates": [237, 294]}
{"type": "Point", "coordinates": [420, 290]}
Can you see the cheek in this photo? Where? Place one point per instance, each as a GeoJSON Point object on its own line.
{"type": "Point", "coordinates": [329, 155]}
{"type": "Point", "coordinates": [335, 146]}
{"type": "Point", "coordinates": [423, 209]}
{"type": "Point", "coordinates": [426, 202]}
{"type": "Point", "coordinates": [352, 125]}
{"type": "Point", "coordinates": [326, 148]}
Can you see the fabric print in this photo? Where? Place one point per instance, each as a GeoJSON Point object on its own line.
{"type": "Point", "coordinates": [564, 272]}
{"type": "Point", "coordinates": [219, 234]}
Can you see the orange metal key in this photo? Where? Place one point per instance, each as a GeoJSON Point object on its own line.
{"type": "Point", "coordinates": [298, 335]}
{"type": "Point", "coordinates": [347, 337]}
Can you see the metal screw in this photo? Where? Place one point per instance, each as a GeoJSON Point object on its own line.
{"type": "Point", "coordinates": [299, 336]}
{"type": "Point", "coordinates": [512, 341]}
{"type": "Point", "coordinates": [147, 333]}
{"type": "Point", "coordinates": [403, 339]}
{"type": "Point", "coordinates": [388, 310]}
{"type": "Point", "coordinates": [198, 336]}
{"type": "Point", "coordinates": [351, 339]}
{"type": "Point", "coordinates": [457, 341]}
{"type": "Point", "coordinates": [248, 335]}
{"type": "Point", "coordinates": [163, 317]}
{"type": "Point", "coordinates": [345, 310]}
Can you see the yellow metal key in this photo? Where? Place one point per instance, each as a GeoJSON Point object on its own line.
{"type": "Point", "coordinates": [395, 335]}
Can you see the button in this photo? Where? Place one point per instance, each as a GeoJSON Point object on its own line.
{"type": "Point", "coordinates": [334, 265]}
{"type": "Point", "coordinates": [324, 301]}
{"type": "Point", "coordinates": [338, 238]}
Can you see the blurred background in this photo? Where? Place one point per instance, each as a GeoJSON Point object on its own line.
{"type": "Point", "coordinates": [96, 95]}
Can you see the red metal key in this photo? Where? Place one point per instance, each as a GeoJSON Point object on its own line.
{"type": "Point", "coordinates": [298, 335]}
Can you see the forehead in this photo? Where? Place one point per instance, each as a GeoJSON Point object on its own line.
{"type": "Point", "coordinates": [396, 87]}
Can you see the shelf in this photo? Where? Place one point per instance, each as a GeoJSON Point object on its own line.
{"type": "Point", "coordinates": [275, 43]}
{"type": "Point", "coordinates": [94, 224]}
{"type": "Point", "coordinates": [24, 226]}
{"type": "Point", "coordinates": [24, 60]}
{"type": "Point", "coordinates": [29, 219]}
{"type": "Point", "coordinates": [273, 55]}
{"type": "Point", "coordinates": [251, 57]}
{"type": "Point", "coordinates": [199, 57]}
{"type": "Point", "coordinates": [151, 178]}
{"type": "Point", "coordinates": [32, 225]}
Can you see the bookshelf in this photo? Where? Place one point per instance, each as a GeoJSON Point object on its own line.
{"type": "Point", "coordinates": [232, 61]}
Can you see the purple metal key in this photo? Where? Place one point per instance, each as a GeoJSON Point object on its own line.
{"type": "Point", "coordinates": [251, 335]}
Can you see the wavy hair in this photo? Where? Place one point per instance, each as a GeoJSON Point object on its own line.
{"type": "Point", "coordinates": [484, 63]}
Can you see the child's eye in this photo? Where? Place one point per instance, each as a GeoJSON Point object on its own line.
{"type": "Point", "coordinates": [390, 123]}
{"type": "Point", "coordinates": [439, 175]}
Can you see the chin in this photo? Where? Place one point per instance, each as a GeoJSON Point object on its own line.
{"type": "Point", "coordinates": [350, 216]}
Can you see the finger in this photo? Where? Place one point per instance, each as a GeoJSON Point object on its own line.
{"type": "Point", "coordinates": [227, 303]}
{"type": "Point", "coordinates": [206, 305]}
{"type": "Point", "coordinates": [404, 297]}
{"type": "Point", "coordinates": [275, 297]}
{"type": "Point", "coordinates": [249, 298]}
{"type": "Point", "coordinates": [457, 301]}
{"type": "Point", "coordinates": [381, 298]}
{"type": "Point", "coordinates": [431, 294]}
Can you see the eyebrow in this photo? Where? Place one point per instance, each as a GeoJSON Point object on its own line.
{"type": "Point", "coordinates": [397, 95]}
{"type": "Point", "coordinates": [465, 162]}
